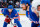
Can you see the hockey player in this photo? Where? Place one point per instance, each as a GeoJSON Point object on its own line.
{"type": "Point", "coordinates": [10, 14]}
{"type": "Point", "coordinates": [32, 16]}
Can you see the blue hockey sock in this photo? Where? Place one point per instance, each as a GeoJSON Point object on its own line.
{"type": "Point", "coordinates": [5, 24]}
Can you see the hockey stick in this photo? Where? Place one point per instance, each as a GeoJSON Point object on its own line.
{"type": "Point", "coordinates": [12, 23]}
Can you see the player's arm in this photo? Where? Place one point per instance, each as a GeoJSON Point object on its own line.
{"type": "Point", "coordinates": [3, 12]}
{"type": "Point", "coordinates": [33, 15]}
{"type": "Point", "coordinates": [16, 14]}
{"type": "Point", "coordinates": [35, 10]}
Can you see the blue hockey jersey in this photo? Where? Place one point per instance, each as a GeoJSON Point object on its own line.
{"type": "Point", "coordinates": [5, 12]}
{"type": "Point", "coordinates": [33, 16]}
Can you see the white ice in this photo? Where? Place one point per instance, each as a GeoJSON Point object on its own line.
{"type": "Point", "coordinates": [25, 22]}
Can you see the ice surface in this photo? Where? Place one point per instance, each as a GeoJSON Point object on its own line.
{"type": "Point", "coordinates": [25, 22]}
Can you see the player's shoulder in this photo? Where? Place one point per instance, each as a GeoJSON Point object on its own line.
{"type": "Point", "coordinates": [4, 9]}
{"type": "Point", "coordinates": [14, 9]}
